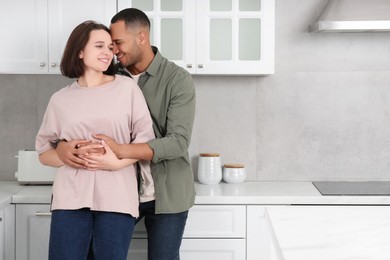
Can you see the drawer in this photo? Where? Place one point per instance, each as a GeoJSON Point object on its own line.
{"type": "Point", "coordinates": [210, 221]}
{"type": "Point", "coordinates": [195, 249]}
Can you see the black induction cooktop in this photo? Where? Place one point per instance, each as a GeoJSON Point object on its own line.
{"type": "Point", "coordinates": [353, 188]}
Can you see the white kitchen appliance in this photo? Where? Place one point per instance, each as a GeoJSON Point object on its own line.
{"type": "Point", "coordinates": [31, 171]}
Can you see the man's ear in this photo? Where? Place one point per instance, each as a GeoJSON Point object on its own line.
{"type": "Point", "coordinates": [143, 36]}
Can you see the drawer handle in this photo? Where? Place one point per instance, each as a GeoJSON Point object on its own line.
{"type": "Point", "coordinates": [42, 214]}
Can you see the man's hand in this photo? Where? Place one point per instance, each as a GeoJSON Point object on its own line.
{"type": "Point", "coordinates": [68, 153]}
{"type": "Point", "coordinates": [106, 161]}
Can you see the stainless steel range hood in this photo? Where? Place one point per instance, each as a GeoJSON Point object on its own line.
{"type": "Point", "coordinates": [354, 16]}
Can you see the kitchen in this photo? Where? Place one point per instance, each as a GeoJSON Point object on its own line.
{"type": "Point", "coordinates": [320, 117]}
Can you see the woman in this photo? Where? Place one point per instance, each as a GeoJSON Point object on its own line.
{"type": "Point", "coordinates": [93, 206]}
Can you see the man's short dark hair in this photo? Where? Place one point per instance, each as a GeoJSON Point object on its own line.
{"type": "Point", "coordinates": [132, 17]}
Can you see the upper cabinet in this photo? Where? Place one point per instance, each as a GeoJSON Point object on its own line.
{"type": "Point", "coordinates": [35, 31]}
{"type": "Point", "coordinates": [213, 37]}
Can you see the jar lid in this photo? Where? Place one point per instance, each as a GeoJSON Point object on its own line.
{"type": "Point", "coordinates": [209, 154]}
{"type": "Point", "coordinates": [234, 165]}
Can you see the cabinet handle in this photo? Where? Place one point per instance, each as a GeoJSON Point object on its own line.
{"type": "Point", "coordinates": [41, 214]}
{"type": "Point", "coordinates": [200, 66]}
{"type": "Point", "coordinates": [1, 219]}
{"type": "Point", "coordinates": [42, 64]}
{"type": "Point", "coordinates": [189, 66]}
{"type": "Point", "coordinates": [53, 64]}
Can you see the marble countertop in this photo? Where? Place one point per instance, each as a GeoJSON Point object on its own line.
{"type": "Point", "coordinates": [247, 193]}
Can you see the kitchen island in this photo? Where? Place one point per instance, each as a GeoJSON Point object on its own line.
{"type": "Point", "coordinates": [261, 220]}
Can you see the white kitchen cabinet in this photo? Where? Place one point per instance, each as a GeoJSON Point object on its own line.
{"type": "Point", "coordinates": [7, 232]}
{"type": "Point", "coordinates": [8, 244]}
{"type": "Point", "coordinates": [35, 38]}
{"type": "Point", "coordinates": [195, 249]}
{"type": "Point", "coordinates": [261, 241]}
{"type": "Point", "coordinates": [32, 231]}
{"type": "Point", "coordinates": [234, 37]}
{"type": "Point", "coordinates": [2, 234]}
{"type": "Point", "coordinates": [213, 232]}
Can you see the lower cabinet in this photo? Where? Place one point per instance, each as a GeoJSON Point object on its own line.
{"type": "Point", "coordinates": [2, 234]}
{"type": "Point", "coordinates": [32, 231]}
{"type": "Point", "coordinates": [7, 233]}
{"type": "Point", "coordinates": [233, 232]}
{"type": "Point", "coordinates": [196, 249]}
{"type": "Point", "coordinates": [213, 232]}
{"type": "Point", "coordinates": [261, 240]}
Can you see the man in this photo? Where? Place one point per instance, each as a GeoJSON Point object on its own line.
{"type": "Point", "coordinates": [170, 95]}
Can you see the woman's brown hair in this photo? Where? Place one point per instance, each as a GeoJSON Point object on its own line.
{"type": "Point", "coordinates": [71, 64]}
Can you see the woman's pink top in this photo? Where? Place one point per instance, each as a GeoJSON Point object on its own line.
{"type": "Point", "coordinates": [116, 109]}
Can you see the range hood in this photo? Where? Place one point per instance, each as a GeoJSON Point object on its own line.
{"type": "Point", "coordinates": [354, 16]}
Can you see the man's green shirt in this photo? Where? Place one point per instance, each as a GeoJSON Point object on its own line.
{"type": "Point", "coordinates": [170, 94]}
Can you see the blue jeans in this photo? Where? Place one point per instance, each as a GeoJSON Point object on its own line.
{"type": "Point", "coordinates": [73, 231]}
{"type": "Point", "coordinates": [165, 232]}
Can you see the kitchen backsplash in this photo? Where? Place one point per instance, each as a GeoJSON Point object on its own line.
{"type": "Point", "coordinates": [323, 115]}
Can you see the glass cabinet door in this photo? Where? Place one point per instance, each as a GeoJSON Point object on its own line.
{"type": "Point", "coordinates": [236, 34]}
{"type": "Point", "coordinates": [172, 28]}
{"type": "Point", "coordinates": [213, 36]}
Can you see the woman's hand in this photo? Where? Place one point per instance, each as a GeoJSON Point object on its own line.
{"type": "Point", "coordinates": [110, 142]}
{"type": "Point", "coordinates": [106, 161]}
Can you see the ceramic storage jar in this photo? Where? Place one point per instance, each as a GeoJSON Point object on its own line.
{"type": "Point", "coordinates": [209, 168]}
{"type": "Point", "coordinates": [234, 173]}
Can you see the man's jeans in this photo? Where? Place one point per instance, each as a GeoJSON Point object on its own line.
{"type": "Point", "coordinates": [165, 232]}
{"type": "Point", "coordinates": [73, 231]}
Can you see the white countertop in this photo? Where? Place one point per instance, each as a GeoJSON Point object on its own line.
{"type": "Point", "coordinates": [276, 193]}
{"type": "Point", "coordinates": [7, 189]}
{"type": "Point", "coordinates": [247, 193]}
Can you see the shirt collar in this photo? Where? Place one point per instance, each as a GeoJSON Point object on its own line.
{"type": "Point", "coordinates": [151, 70]}
{"type": "Point", "coordinates": [153, 67]}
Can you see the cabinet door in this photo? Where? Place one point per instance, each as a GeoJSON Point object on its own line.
{"type": "Point", "coordinates": [2, 234]}
{"type": "Point", "coordinates": [209, 221]}
{"type": "Point", "coordinates": [9, 229]}
{"type": "Point", "coordinates": [261, 241]}
{"type": "Point", "coordinates": [235, 37]}
{"type": "Point", "coordinates": [138, 249]}
{"type": "Point", "coordinates": [195, 249]}
{"type": "Point", "coordinates": [213, 249]}
{"type": "Point", "coordinates": [24, 36]}
{"type": "Point", "coordinates": [65, 15]}
{"type": "Point", "coordinates": [172, 28]}
{"type": "Point", "coordinates": [32, 231]}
